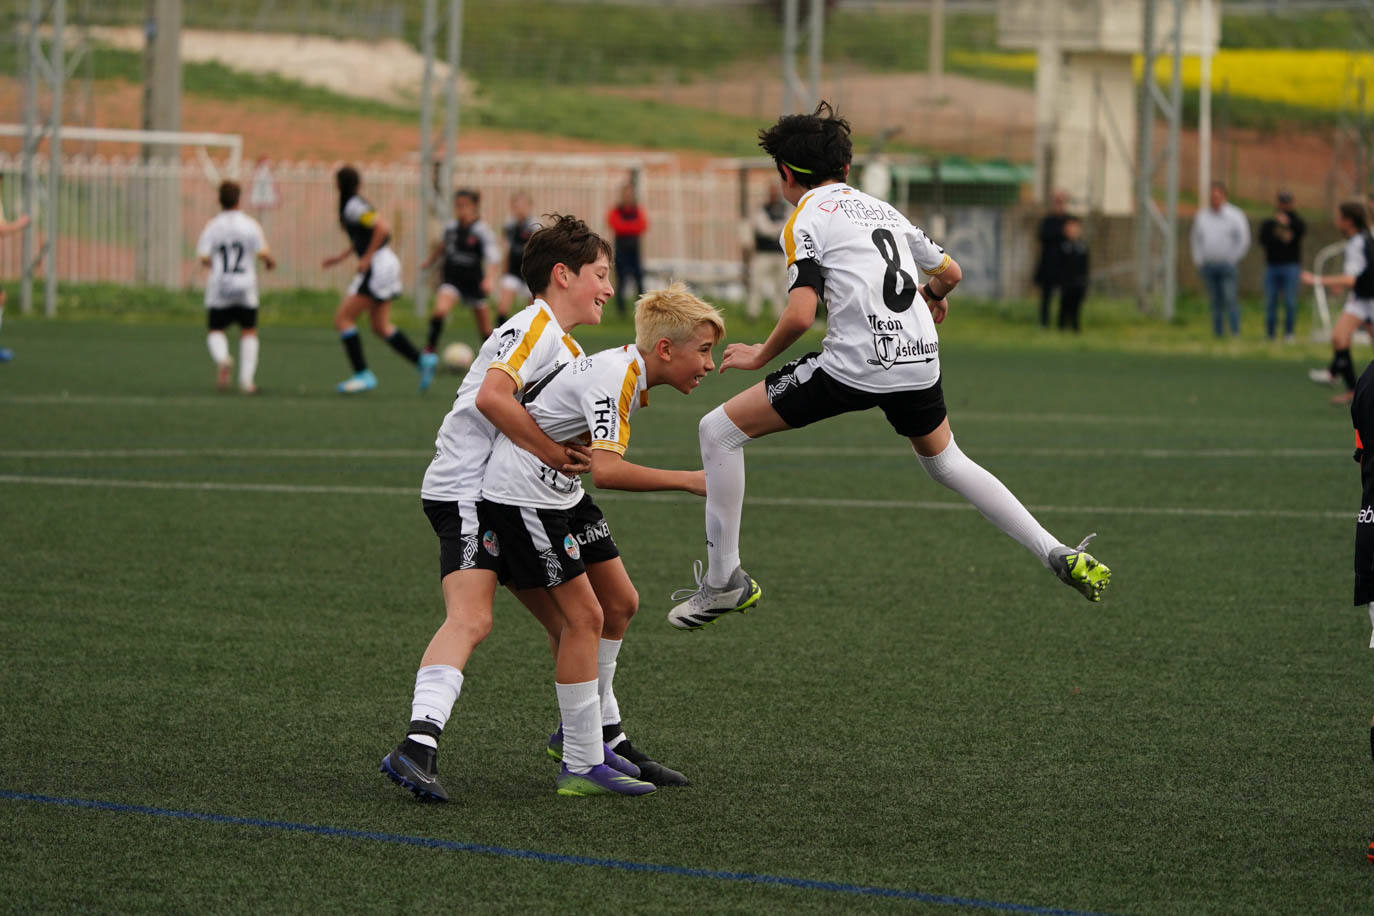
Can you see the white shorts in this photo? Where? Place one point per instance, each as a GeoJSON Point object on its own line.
{"type": "Point", "coordinates": [1362, 309]}
{"type": "Point", "coordinates": [382, 279]}
{"type": "Point", "coordinates": [516, 285]}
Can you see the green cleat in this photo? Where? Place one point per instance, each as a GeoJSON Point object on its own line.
{"type": "Point", "coordinates": [1080, 570]}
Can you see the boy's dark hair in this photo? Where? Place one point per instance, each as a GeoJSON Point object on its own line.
{"type": "Point", "coordinates": [1356, 212]}
{"type": "Point", "coordinates": [347, 179]}
{"type": "Point", "coordinates": [562, 240]}
{"type": "Point", "coordinates": [229, 194]}
{"type": "Point", "coordinates": [470, 193]}
{"type": "Point", "coordinates": [816, 146]}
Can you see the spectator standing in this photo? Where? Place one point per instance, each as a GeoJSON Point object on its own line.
{"type": "Point", "coordinates": [1051, 234]}
{"type": "Point", "coordinates": [1220, 238]}
{"type": "Point", "coordinates": [629, 223]}
{"type": "Point", "coordinates": [1281, 235]}
{"type": "Point", "coordinates": [767, 266]}
{"type": "Point", "coordinates": [1073, 274]}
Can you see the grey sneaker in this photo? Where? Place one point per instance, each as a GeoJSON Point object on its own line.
{"type": "Point", "coordinates": [704, 604]}
{"type": "Point", "coordinates": [1080, 570]}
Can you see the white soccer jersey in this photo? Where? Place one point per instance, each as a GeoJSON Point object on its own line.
{"type": "Point", "coordinates": [1355, 262]}
{"type": "Point", "coordinates": [594, 397]}
{"type": "Point", "coordinates": [527, 346]}
{"type": "Point", "coordinates": [231, 241]}
{"type": "Point", "coordinates": [879, 334]}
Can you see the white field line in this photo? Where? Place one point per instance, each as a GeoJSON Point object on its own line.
{"type": "Point", "coordinates": [695, 409]}
{"type": "Point", "coordinates": [783, 501]}
{"type": "Point", "coordinates": [800, 451]}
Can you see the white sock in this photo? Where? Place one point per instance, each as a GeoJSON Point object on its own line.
{"type": "Point", "coordinates": [248, 359]}
{"type": "Point", "coordinates": [219, 347]}
{"type": "Point", "coordinates": [581, 710]}
{"type": "Point", "coordinates": [605, 673]}
{"type": "Point", "coordinates": [436, 690]}
{"type": "Point", "coordinates": [990, 496]}
{"type": "Point", "coordinates": [722, 456]}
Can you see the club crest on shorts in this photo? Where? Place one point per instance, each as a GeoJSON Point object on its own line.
{"type": "Point", "coordinates": [570, 547]}
{"type": "Point", "coordinates": [491, 544]}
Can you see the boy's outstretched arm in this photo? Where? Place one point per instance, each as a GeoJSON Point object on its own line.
{"type": "Point", "coordinates": [610, 471]}
{"type": "Point", "coordinates": [799, 315]}
{"type": "Point", "coordinates": [496, 401]}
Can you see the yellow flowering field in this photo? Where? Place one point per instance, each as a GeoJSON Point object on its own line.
{"type": "Point", "coordinates": [1323, 79]}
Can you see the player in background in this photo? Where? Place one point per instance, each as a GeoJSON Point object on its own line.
{"type": "Point", "coordinates": [377, 282]}
{"type": "Point", "coordinates": [880, 350]}
{"type": "Point", "coordinates": [470, 259]}
{"type": "Point", "coordinates": [8, 227]}
{"type": "Point", "coordinates": [569, 266]}
{"type": "Point", "coordinates": [1362, 415]}
{"type": "Point", "coordinates": [552, 535]}
{"type": "Point", "coordinates": [1357, 278]}
{"type": "Point", "coordinates": [230, 245]}
{"type": "Point", "coordinates": [518, 230]}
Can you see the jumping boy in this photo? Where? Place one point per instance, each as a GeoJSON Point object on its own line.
{"type": "Point", "coordinates": [569, 266]}
{"type": "Point", "coordinates": [880, 350]}
{"type": "Point", "coordinates": [376, 284]}
{"type": "Point", "coordinates": [552, 535]}
{"type": "Point", "coordinates": [230, 245]}
{"type": "Point", "coordinates": [469, 253]}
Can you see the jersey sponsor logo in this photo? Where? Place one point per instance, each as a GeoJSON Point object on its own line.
{"type": "Point", "coordinates": [828, 206]}
{"type": "Point", "coordinates": [570, 546]}
{"type": "Point", "coordinates": [862, 213]}
{"type": "Point", "coordinates": [892, 347]}
{"type": "Point", "coordinates": [603, 414]}
{"type": "Point", "coordinates": [509, 338]}
{"type": "Point", "coordinates": [491, 544]}
{"type": "Point", "coordinates": [593, 533]}
{"type": "Point", "coordinates": [808, 244]}
{"type": "Point", "coordinates": [1366, 516]}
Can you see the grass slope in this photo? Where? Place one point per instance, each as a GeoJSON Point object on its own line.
{"type": "Point", "coordinates": [916, 704]}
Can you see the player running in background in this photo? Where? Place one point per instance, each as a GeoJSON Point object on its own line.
{"type": "Point", "coordinates": [518, 230]}
{"type": "Point", "coordinates": [552, 534]}
{"type": "Point", "coordinates": [8, 228]}
{"type": "Point", "coordinates": [470, 258]}
{"type": "Point", "coordinates": [1356, 277]}
{"type": "Point", "coordinates": [880, 350]}
{"type": "Point", "coordinates": [230, 245]}
{"type": "Point", "coordinates": [569, 267]}
{"type": "Point", "coordinates": [378, 281]}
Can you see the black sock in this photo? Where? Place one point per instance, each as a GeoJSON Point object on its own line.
{"type": "Point", "coordinates": [402, 345]}
{"type": "Point", "coordinates": [353, 346]}
{"type": "Point", "coordinates": [611, 731]}
{"type": "Point", "coordinates": [422, 754]}
{"type": "Point", "coordinates": [1344, 367]}
{"type": "Point", "coordinates": [436, 327]}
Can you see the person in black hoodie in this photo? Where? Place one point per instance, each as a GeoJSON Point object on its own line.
{"type": "Point", "coordinates": [1073, 274]}
{"type": "Point", "coordinates": [1281, 235]}
{"type": "Point", "coordinates": [1051, 234]}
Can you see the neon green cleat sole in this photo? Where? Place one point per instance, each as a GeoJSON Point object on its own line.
{"type": "Point", "coordinates": [1083, 572]}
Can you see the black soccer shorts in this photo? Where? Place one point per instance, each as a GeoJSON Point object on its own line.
{"type": "Point", "coordinates": [464, 541]}
{"type": "Point", "coordinates": [802, 393]}
{"type": "Point", "coordinates": [542, 548]}
{"type": "Point", "coordinates": [217, 318]}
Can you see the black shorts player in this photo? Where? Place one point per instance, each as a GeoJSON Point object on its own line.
{"type": "Point", "coordinates": [803, 393]}
{"type": "Point", "coordinates": [543, 548]}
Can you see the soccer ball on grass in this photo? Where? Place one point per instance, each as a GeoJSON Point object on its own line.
{"type": "Point", "coordinates": [457, 357]}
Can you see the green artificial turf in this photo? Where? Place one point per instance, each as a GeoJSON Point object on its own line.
{"type": "Point", "coordinates": [915, 705]}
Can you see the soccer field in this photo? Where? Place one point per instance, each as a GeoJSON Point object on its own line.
{"type": "Point", "coordinates": [214, 607]}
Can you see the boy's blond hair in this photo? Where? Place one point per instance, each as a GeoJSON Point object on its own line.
{"type": "Point", "coordinates": [674, 313]}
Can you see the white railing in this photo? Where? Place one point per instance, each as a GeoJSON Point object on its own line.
{"type": "Point", "coordinates": [106, 206]}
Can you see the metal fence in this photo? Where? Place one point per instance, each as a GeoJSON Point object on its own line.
{"type": "Point", "coordinates": [131, 221]}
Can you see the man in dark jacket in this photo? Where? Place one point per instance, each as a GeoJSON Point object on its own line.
{"type": "Point", "coordinates": [1051, 234]}
{"type": "Point", "coordinates": [1281, 235]}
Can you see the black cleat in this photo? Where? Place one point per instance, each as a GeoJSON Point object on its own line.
{"type": "Point", "coordinates": [419, 776]}
{"type": "Point", "coordinates": [650, 769]}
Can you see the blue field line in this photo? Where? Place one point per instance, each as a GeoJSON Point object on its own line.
{"type": "Point", "coordinates": [554, 858]}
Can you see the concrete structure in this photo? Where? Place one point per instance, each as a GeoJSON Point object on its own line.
{"type": "Point", "coordinates": [1085, 93]}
